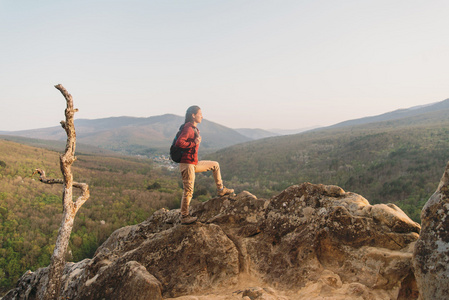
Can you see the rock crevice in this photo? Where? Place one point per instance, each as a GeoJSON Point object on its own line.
{"type": "Point", "coordinates": [431, 253]}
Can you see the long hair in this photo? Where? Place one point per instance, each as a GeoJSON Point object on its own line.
{"type": "Point", "coordinates": [192, 110]}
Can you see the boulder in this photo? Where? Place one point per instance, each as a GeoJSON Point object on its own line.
{"type": "Point", "coordinates": [309, 242]}
{"type": "Point", "coordinates": [431, 253]}
{"type": "Point", "coordinates": [119, 281]}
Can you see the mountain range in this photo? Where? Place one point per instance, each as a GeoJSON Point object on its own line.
{"type": "Point", "coordinates": [397, 114]}
{"type": "Point", "coordinates": [136, 136]}
{"type": "Point", "coordinates": [153, 135]}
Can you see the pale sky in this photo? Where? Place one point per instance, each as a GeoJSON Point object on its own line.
{"type": "Point", "coordinates": [253, 64]}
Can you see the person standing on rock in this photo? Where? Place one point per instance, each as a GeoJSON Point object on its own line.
{"type": "Point", "coordinates": [190, 140]}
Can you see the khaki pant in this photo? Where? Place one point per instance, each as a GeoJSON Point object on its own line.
{"type": "Point", "coordinates": [188, 180]}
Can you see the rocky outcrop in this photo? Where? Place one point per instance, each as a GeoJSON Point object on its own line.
{"type": "Point", "coordinates": [309, 242]}
{"type": "Point", "coordinates": [431, 255]}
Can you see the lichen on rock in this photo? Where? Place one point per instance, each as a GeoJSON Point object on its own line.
{"type": "Point", "coordinates": [431, 254]}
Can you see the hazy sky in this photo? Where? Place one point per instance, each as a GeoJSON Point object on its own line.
{"type": "Point", "coordinates": [255, 64]}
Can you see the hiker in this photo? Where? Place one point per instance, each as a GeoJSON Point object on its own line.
{"type": "Point", "coordinates": [190, 140]}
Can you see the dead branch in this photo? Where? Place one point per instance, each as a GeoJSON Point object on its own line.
{"type": "Point", "coordinates": [70, 207]}
{"type": "Point", "coordinates": [43, 178]}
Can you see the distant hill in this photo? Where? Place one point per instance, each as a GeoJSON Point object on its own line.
{"type": "Point", "coordinates": [55, 145]}
{"type": "Point", "coordinates": [256, 133]}
{"type": "Point", "coordinates": [397, 114]}
{"type": "Point", "coordinates": [144, 136]}
{"type": "Point", "coordinates": [279, 131]}
{"type": "Point", "coordinates": [397, 160]}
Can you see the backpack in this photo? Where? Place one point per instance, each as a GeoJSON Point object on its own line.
{"type": "Point", "coordinates": [176, 152]}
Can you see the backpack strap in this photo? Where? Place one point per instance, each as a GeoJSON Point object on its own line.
{"type": "Point", "coordinates": [178, 133]}
{"type": "Point", "coordinates": [197, 132]}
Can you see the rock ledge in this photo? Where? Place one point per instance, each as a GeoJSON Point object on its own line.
{"type": "Point", "coordinates": [309, 242]}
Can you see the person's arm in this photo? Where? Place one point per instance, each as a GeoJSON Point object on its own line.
{"type": "Point", "coordinates": [186, 139]}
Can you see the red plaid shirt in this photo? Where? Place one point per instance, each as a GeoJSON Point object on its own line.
{"type": "Point", "coordinates": [186, 140]}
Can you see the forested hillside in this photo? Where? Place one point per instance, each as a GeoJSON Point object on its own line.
{"type": "Point", "coordinates": [398, 161]}
{"type": "Point", "coordinates": [123, 191]}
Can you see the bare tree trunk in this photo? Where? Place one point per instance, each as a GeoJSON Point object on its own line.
{"type": "Point", "coordinates": [70, 207]}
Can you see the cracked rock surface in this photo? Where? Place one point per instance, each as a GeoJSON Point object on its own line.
{"type": "Point", "coordinates": [431, 255]}
{"type": "Point", "coordinates": [309, 242]}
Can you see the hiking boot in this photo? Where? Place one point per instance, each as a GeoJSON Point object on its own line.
{"type": "Point", "coordinates": [224, 191]}
{"type": "Point", "coordinates": [188, 219]}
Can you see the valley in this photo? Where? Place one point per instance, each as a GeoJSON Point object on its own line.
{"type": "Point", "coordinates": [394, 159]}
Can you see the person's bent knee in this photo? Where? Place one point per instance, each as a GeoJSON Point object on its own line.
{"type": "Point", "coordinates": [187, 195]}
{"type": "Point", "coordinates": [187, 192]}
